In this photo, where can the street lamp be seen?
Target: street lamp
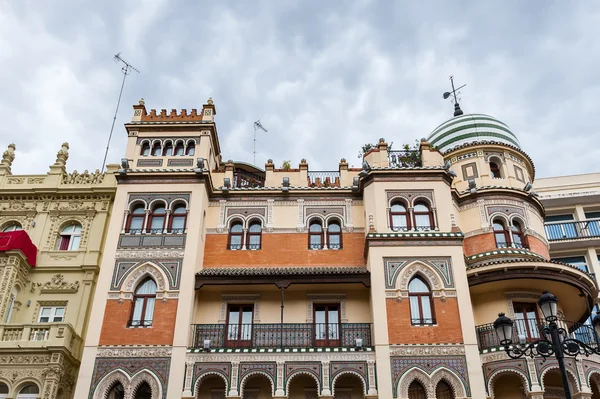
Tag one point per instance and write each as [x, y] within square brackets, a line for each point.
[555, 340]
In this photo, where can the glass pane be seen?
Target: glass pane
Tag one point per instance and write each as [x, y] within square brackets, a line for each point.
[157, 222]
[179, 150]
[178, 222]
[59, 312]
[255, 228]
[191, 150]
[137, 310]
[136, 223]
[320, 326]
[236, 241]
[30, 389]
[558, 218]
[426, 308]
[315, 228]
[315, 241]
[334, 241]
[3, 388]
[498, 226]
[138, 211]
[517, 240]
[399, 221]
[246, 325]
[46, 311]
[414, 309]
[421, 208]
[236, 228]
[75, 240]
[417, 285]
[398, 208]
[147, 288]
[334, 228]
[423, 220]
[149, 310]
[254, 240]
[500, 240]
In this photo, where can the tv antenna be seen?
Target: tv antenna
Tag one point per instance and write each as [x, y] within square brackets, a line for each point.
[257, 125]
[126, 69]
[457, 110]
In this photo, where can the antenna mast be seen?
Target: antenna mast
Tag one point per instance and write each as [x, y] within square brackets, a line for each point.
[257, 125]
[457, 110]
[126, 69]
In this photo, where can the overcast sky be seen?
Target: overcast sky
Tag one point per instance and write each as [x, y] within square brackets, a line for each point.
[324, 77]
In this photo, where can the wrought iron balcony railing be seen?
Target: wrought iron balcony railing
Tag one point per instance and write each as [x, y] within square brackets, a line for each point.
[139, 323]
[243, 179]
[531, 330]
[286, 335]
[573, 230]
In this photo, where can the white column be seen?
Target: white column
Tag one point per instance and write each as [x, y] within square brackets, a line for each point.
[325, 388]
[371, 373]
[145, 227]
[125, 221]
[279, 389]
[166, 226]
[235, 367]
[187, 388]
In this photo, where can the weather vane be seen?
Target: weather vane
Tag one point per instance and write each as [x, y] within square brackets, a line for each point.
[457, 110]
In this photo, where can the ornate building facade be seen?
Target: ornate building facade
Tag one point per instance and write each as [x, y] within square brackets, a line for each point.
[226, 280]
[52, 230]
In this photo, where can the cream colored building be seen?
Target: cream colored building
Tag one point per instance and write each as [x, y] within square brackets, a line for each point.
[52, 229]
[221, 279]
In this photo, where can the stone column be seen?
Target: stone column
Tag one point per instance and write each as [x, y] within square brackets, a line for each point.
[325, 389]
[535, 384]
[145, 226]
[125, 221]
[371, 374]
[280, 389]
[235, 368]
[189, 373]
[166, 226]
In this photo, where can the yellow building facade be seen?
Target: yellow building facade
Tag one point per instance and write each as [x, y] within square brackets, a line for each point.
[52, 229]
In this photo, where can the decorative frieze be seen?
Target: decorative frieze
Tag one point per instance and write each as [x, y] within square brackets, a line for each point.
[134, 352]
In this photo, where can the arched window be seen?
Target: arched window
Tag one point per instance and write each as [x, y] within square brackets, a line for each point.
[3, 390]
[60, 394]
[518, 238]
[116, 392]
[145, 151]
[421, 309]
[334, 235]
[236, 235]
[495, 169]
[179, 150]
[168, 149]
[399, 219]
[14, 226]
[501, 234]
[423, 216]
[143, 304]
[156, 150]
[178, 219]
[190, 149]
[315, 235]
[70, 237]
[254, 235]
[416, 391]
[143, 391]
[11, 304]
[30, 391]
[157, 219]
[443, 391]
[135, 222]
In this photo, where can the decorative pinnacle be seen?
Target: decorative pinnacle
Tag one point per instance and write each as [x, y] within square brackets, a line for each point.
[62, 155]
[141, 102]
[209, 101]
[9, 155]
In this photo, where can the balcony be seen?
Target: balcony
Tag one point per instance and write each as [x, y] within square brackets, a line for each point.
[560, 231]
[40, 336]
[531, 330]
[286, 335]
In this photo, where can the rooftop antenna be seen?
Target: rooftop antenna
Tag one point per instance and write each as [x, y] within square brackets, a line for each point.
[257, 125]
[126, 69]
[457, 110]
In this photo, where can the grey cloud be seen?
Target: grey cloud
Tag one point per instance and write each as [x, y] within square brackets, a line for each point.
[323, 78]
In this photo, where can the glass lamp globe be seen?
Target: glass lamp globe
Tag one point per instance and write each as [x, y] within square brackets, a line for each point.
[549, 305]
[504, 329]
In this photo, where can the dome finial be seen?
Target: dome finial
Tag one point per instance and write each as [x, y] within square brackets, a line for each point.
[457, 110]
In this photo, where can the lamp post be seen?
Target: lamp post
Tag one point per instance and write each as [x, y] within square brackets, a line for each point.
[555, 340]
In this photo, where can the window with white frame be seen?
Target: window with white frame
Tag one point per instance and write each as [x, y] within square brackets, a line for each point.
[51, 314]
[11, 304]
[70, 237]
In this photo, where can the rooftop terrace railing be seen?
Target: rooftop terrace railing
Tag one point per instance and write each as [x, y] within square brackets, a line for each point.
[573, 230]
[404, 158]
[323, 179]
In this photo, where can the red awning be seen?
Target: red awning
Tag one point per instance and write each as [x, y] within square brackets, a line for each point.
[19, 240]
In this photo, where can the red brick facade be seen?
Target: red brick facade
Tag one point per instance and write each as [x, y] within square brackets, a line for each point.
[115, 331]
[401, 331]
[486, 242]
[284, 250]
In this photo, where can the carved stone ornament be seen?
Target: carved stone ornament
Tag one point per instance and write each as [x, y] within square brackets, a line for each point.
[57, 284]
[134, 352]
[427, 350]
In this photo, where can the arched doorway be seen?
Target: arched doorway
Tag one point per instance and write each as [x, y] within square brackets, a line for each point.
[303, 386]
[443, 391]
[348, 386]
[116, 391]
[553, 385]
[256, 386]
[211, 387]
[416, 391]
[508, 386]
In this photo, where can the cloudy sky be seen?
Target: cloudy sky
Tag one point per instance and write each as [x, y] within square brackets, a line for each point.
[324, 77]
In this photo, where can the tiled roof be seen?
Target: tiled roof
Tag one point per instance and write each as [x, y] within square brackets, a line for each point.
[281, 271]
